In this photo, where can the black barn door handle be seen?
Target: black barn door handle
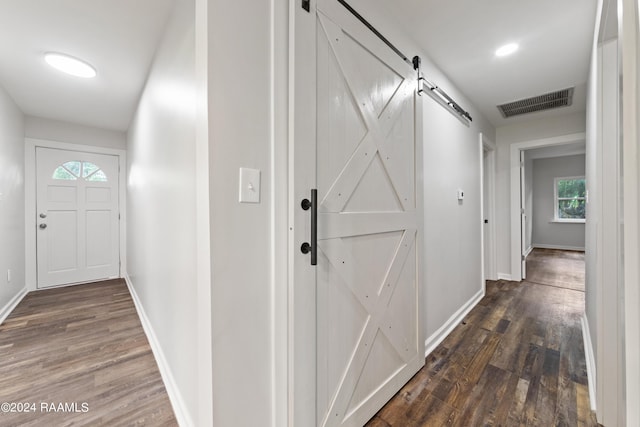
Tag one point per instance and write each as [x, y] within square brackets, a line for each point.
[313, 246]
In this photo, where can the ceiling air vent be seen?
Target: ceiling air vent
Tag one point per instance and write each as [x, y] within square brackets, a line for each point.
[548, 101]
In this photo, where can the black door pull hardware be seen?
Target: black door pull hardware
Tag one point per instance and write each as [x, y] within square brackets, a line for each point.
[312, 247]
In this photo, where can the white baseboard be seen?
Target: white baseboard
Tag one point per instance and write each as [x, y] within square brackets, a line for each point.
[504, 276]
[528, 251]
[590, 360]
[11, 305]
[562, 247]
[177, 402]
[438, 336]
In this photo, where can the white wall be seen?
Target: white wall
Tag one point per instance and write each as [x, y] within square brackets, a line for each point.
[510, 134]
[608, 255]
[629, 58]
[161, 206]
[12, 255]
[546, 232]
[56, 130]
[604, 297]
[243, 258]
[452, 258]
[612, 217]
[593, 202]
[541, 128]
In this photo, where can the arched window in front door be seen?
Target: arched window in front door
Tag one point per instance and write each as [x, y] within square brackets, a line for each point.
[73, 170]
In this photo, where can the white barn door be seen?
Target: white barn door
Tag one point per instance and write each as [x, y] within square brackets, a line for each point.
[360, 152]
[77, 234]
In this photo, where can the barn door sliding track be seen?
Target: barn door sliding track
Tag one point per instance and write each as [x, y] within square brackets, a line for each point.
[424, 85]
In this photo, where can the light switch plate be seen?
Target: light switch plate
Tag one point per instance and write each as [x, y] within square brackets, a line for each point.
[249, 191]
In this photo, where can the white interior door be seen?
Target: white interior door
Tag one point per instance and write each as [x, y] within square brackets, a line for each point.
[359, 151]
[77, 217]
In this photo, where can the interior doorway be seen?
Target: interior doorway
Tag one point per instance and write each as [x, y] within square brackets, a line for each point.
[519, 206]
[552, 199]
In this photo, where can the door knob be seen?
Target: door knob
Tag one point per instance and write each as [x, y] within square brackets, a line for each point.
[43, 215]
[43, 226]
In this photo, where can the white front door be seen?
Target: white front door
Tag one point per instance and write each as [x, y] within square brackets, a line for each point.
[76, 217]
[357, 336]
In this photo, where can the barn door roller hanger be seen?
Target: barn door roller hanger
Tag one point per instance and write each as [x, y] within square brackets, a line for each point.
[425, 86]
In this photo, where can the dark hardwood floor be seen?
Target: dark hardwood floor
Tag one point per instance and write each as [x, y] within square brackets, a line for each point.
[554, 267]
[82, 346]
[517, 359]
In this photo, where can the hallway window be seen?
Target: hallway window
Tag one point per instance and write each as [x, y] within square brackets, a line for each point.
[570, 199]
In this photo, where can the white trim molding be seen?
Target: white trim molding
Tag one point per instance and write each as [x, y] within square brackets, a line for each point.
[175, 397]
[504, 276]
[590, 360]
[12, 304]
[561, 247]
[567, 221]
[528, 251]
[438, 336]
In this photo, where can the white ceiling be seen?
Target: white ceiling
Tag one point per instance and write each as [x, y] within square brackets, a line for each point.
[461, 36]
[118, 37]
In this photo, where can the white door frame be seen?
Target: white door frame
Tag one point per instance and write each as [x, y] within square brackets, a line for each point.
[516, 235]
[30, 200]
[629, 58]
[491, 255]
[523, 218]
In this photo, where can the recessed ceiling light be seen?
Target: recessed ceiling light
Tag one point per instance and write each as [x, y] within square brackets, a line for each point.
[70, 65]
[507, 49]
